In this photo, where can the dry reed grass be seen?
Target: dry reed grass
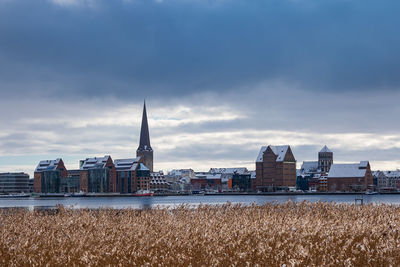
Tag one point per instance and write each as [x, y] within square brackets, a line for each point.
[320, 234]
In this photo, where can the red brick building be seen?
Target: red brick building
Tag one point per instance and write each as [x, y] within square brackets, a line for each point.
[48, 175]
[350, 177]
[98, 175]
[127, 179]
[275, 168]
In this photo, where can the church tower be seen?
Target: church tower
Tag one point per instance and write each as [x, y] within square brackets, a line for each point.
[144, 150]
[325, 159]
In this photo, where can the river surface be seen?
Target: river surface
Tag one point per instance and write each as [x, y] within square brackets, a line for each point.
[172, 201]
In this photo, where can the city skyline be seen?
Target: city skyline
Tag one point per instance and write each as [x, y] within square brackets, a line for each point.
[305, 74]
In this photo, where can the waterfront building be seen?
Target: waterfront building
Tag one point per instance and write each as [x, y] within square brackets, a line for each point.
[143, 177]
[127, 179]
[275, 168]
[241, 181]
[177, 174]
[310, 167]
[48, 175]
[227, 175]
[206, 181]
[325, 159]
[253, 180]
[71, 184]
[30, 185]
[17, 182]
[323, 184]
[158, 183]
[144, 150]
[97, 175]
[302, 182]
[350, 177]
[387, 181]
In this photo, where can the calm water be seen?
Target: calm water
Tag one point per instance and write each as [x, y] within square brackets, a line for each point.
[171, 201]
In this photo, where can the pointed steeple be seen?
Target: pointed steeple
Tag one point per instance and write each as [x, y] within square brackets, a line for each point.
[144, 143]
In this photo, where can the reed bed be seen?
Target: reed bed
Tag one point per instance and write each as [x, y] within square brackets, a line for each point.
[291, 234]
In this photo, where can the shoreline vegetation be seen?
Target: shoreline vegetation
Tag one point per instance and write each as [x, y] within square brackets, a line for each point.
[291, 234]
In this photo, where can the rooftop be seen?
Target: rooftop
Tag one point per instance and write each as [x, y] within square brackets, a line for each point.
[325, 149]
[347, 170]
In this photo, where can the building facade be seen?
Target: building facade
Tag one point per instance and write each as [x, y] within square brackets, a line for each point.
[17, 182]
[127, 178]
[325, 159]
[143, 177]
[158, 183]
[48, 175]
[275, 168]
[97, 175]
[350, 177]
[144, 150]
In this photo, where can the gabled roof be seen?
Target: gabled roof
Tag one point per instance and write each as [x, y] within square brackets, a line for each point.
[279, 151]
[126, 164]
[47, 165]
[94, 163]
[309, 166]
[347, 170]
[261, 153]
[325, 149]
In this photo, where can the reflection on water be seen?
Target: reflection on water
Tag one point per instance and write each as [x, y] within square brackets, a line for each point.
[173, 201]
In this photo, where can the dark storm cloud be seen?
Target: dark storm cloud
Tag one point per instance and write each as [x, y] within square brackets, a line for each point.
[120, 48]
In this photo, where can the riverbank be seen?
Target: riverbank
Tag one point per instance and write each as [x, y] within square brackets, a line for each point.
[321, 234]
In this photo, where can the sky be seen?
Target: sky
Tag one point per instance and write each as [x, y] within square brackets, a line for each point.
[221, 78]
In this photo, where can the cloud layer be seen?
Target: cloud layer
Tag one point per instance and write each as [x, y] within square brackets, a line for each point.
[221, 79]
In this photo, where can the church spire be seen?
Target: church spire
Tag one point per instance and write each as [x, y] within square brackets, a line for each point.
[144, 143]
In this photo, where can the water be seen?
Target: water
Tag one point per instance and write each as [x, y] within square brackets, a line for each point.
[171, 201]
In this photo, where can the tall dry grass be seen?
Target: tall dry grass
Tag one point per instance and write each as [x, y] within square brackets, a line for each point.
[309, 234]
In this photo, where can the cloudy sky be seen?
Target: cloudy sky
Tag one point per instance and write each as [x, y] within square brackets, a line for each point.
[221, 78]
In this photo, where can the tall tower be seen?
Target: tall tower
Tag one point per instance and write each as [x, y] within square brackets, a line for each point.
[144, 150]
[325, 159]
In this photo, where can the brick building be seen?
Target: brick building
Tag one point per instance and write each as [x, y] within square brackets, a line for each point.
[325, 159]
[275, 168]
[127, 179]
[143, 177]
[97, 175]
[48, 175]
[350, 177]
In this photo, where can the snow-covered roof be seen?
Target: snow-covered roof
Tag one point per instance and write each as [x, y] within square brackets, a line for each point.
[347, 170]
[206, 175]
[261, 153]
[309, 166]
[47, 165]
[279, 151]
[94, 163]
[126, 164]
[253, 174]
[240, 170]
[325, 149]
[392, 174]
[213, 176]
[364, 164]
[142, 167]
